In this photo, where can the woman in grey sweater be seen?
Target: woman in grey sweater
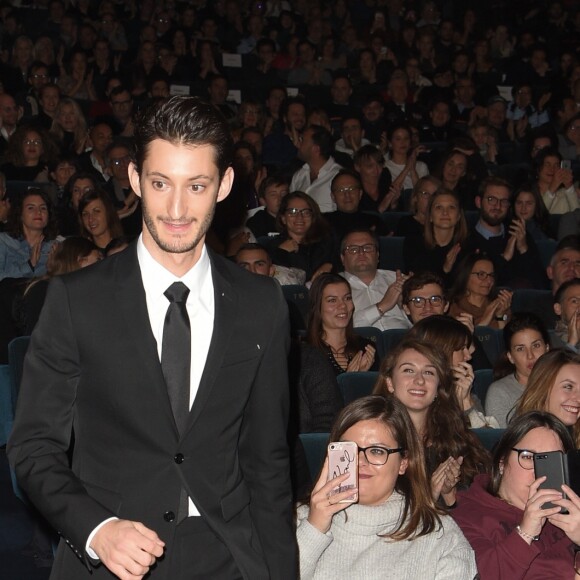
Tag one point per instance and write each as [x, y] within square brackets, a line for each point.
[526, 340]
[394, 530]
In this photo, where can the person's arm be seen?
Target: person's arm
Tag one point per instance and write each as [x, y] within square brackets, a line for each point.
[38, 446]
[263, 448]
[311, 544]
[456, 559]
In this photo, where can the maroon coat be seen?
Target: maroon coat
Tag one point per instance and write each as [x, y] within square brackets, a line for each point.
[489, 525]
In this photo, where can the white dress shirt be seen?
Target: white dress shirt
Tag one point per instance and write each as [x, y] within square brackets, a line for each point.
[200, 309]
[319, 189]
[365, 299]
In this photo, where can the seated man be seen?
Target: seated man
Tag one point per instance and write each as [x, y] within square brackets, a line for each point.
[255, 259]
[423, 295]
[351, 136]
[375, 293]
[346, 192]
[270, 194]
[567, 307]
[515, 255]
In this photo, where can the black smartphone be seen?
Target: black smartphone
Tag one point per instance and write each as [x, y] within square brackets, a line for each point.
[553, 465]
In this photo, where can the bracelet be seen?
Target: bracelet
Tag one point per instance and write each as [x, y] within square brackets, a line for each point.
[525, 535]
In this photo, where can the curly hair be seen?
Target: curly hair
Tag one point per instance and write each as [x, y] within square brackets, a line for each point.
[15, 150]
[15, 227]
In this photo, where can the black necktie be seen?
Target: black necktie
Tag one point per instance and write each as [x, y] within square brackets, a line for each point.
[176, 352]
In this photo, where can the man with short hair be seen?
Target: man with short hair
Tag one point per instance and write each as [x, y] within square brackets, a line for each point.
[375, 293]
[340, 106]
[270, 194]
[513, 251]
[180, 449]
[256, 259]
[567, 308]
[346, 192]
[101, 136]
[121, 103]
[351, 136]
[315, 176]
[10, 113]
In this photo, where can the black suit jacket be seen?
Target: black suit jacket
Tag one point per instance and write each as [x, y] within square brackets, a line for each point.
[93, 365]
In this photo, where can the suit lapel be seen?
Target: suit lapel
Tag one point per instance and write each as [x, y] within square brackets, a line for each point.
[225, 312]
[130, 295]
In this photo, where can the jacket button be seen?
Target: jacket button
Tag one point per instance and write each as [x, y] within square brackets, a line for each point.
[179, 459]
[168, 516]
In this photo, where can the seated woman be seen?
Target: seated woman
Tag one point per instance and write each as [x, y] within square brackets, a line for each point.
[419, 375]
[474, 293]
[305, 241]
[394, 530]
[69, 127]
[401, 159]
[375, 180]
[79, 184]
[526, 340]
[330, 326]
[529, 206]
[418, 204]
[28, 154]
[455, 341]
[554, 387]
[30, 232]
[67, 256]
[99, 220]
[437, 248]
[555, 184]
[503, 515]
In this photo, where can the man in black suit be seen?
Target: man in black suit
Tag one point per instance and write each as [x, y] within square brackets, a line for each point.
[174, 492]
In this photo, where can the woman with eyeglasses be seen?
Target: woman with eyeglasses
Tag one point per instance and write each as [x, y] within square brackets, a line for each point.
[514, 534]
[554, 387]
[526, 339]
[28, 154]
[330, 326]
[420, 376]
[305, 241]
[414, 224]
[438, 247]
[474, 293]
[393, 529]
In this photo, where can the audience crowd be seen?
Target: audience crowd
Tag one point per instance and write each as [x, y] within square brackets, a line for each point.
[408, 170]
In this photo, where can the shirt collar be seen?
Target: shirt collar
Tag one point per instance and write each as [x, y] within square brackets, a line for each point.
[481, 229]
[156, 278]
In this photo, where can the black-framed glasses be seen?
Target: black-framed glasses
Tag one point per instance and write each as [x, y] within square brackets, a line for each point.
[420, 301]
[491, 199]
[365, 249]
[294, 211]
[347, 189]
[483, 275]
[378, 455]
[525, 458]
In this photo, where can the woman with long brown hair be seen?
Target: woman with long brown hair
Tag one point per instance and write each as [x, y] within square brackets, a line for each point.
[395, 529]
[330, 326]
[419, 375]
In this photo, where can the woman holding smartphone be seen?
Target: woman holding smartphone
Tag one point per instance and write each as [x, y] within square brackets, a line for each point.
[395, 530]
[504, 517]
[420, 376]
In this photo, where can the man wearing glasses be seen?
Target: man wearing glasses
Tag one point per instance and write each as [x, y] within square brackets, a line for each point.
[375, 293]
[515, 255]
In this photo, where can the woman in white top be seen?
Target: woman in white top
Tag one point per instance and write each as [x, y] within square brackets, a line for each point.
[555, 184]
[400, 160]
[394, 530]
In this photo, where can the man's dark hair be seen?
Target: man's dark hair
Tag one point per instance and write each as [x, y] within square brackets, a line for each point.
[560, 292]
[418, 281]
[252, 246]
[274, 179]
[491, 182]
[358, 231]
[184, 121]
[119, 91]
[288, 102]
[323, 139]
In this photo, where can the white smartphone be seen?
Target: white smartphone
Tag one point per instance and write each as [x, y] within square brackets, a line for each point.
[343, 458]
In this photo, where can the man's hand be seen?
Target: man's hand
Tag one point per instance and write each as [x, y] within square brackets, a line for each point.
[128, 549]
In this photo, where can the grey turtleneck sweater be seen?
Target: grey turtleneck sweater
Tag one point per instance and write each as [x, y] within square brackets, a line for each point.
[352, 549]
